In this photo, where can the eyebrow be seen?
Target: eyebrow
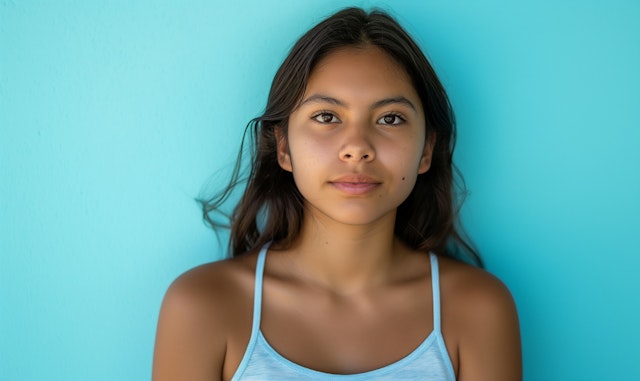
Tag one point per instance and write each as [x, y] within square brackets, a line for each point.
[320, 98]
[387, 101]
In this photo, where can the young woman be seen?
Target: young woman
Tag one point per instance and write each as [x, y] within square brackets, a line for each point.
[344, 239]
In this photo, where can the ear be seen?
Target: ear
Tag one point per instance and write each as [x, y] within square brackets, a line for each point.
[284, 157]
[427, 153]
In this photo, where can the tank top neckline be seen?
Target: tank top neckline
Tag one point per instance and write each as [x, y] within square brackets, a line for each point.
[435, 336]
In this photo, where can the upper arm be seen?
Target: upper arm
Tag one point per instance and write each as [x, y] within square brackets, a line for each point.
[489, 344]
[189, 343]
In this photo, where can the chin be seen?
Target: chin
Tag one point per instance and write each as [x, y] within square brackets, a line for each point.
[357, 217]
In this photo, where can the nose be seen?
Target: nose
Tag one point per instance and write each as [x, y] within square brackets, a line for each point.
[357, 147]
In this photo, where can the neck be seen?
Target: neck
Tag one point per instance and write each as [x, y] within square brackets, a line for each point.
[346, 258]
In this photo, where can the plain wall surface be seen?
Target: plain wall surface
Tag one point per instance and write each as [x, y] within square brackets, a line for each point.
[114, 114]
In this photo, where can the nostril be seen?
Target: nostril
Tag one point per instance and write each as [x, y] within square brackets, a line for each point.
[358, 156]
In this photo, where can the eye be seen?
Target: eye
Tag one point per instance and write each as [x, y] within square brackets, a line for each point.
[391, 119]
[325, 117]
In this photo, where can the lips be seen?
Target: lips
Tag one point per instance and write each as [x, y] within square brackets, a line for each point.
[355, 184]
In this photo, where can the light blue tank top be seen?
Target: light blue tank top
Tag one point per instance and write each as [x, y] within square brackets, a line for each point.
[429, 361]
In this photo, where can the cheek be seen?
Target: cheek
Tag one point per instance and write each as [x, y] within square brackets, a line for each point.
[406, 157]
[406, 166]
[310, 159]
[307, 152]
[407, 180]
[308, 170]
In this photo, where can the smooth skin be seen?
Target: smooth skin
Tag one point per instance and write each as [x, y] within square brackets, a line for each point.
[347, 296]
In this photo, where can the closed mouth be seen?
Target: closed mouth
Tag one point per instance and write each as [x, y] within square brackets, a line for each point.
[356, 179]
[355, 184]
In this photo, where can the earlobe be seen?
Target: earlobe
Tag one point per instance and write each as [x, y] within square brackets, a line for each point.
[427, 154]
[284, 158]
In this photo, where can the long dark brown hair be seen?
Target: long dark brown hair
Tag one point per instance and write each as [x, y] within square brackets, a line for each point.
[271, 207]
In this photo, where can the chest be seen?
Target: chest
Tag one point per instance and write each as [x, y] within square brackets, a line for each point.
[337, 334]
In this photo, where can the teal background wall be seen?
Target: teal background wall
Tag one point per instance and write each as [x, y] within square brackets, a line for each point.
[113, 115]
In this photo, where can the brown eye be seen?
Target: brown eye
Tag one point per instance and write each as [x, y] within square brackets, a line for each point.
[325, 117]
[391, 119]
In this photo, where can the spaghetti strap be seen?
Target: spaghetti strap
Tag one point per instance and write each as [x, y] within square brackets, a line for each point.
[435, 288]
[257, 309]
[257, 292]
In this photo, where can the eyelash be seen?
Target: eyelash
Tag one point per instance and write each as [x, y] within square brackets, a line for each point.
[399, 119]
[319, 114]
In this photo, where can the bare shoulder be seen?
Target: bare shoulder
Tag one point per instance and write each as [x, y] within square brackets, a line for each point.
[212, 285]
[199, 313]
[480, 319]
[474, 287]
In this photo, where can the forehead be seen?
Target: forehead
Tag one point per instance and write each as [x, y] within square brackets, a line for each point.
[367, 68]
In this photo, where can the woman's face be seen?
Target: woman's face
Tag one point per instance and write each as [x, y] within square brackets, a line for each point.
[356, 143]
